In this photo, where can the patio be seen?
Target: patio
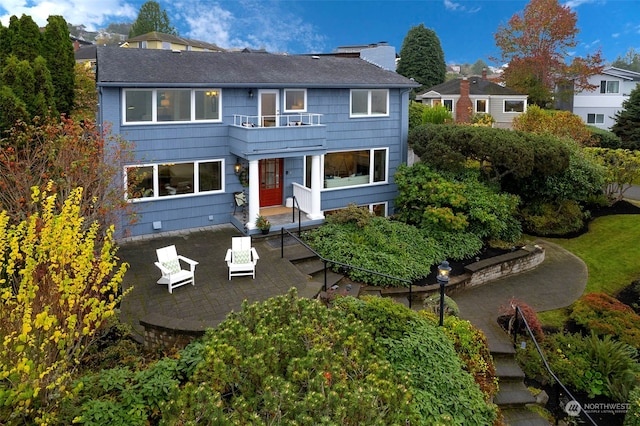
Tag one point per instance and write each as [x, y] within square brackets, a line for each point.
[213, 297]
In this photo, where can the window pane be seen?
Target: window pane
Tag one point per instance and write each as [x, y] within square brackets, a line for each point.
[448, 104]
[359, 102]
[139, 182]
[210, 176]
[378, 102]
[591, 118]
[379, 165]
[175, 178]
[513, 106]
[174, 105]
[207, 104]
[379, 210]
[612, 86]
[481, 105]
[294, 100]
[346, 169]
[138, 104]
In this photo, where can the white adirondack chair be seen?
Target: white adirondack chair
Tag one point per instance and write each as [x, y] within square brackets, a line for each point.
[169, 263]
[241, 258]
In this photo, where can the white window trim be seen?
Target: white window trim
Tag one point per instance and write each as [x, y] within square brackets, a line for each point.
[371, 167]
[154, 107]
[304, 109]
[368, 114]
[504, 106]
[475, 105]
[156, 183]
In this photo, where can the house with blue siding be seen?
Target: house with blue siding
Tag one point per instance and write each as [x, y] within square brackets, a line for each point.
[305, 131]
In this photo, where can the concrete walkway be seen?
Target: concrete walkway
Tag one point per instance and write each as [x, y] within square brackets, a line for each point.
[556, 283]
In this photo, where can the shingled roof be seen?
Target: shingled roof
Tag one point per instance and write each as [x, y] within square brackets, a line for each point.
[477, 86]
[140, 67]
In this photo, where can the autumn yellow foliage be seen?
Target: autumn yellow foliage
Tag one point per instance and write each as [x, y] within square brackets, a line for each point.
[58, 286]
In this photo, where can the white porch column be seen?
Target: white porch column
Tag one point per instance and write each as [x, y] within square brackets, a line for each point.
[254, 194]
[316, 185]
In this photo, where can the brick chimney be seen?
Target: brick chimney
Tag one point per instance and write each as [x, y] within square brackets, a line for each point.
[484, 73]
[464, 105]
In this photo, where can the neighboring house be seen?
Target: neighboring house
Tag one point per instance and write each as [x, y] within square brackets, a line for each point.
[327, 130]
[467, 96]
[599, 107]
[156, 40]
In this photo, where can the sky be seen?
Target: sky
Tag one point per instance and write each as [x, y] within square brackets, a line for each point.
[465, 28]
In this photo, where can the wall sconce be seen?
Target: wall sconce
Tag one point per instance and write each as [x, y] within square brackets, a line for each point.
[164, 103]
[251, 93]
[237, 167]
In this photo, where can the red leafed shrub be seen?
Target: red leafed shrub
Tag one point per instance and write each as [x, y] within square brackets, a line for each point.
[604, 315]
[507, 317]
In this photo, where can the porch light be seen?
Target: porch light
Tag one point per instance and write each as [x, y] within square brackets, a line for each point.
[237, 167]
[251, 93]
[443, 278]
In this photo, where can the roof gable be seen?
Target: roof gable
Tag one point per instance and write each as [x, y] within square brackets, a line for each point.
[621, 73]
[128, 67]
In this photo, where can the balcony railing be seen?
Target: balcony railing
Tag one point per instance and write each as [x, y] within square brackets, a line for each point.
[300, 119]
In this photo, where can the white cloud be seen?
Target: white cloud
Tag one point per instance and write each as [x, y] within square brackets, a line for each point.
[93, 14]
[246, 23]
[459, 7]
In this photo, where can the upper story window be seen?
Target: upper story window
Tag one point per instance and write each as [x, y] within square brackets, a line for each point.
[151, 181]
[369, 103]
[295, 100]
[166, 45]
[481, 105]
[171, 105]
[609, 86]
[513, 106]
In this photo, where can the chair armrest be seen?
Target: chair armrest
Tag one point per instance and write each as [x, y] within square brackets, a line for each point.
[227, 258]
[164, 270]
[192, 263]
[254, 255]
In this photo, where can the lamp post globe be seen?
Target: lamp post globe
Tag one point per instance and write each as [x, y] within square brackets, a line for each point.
[443, 278]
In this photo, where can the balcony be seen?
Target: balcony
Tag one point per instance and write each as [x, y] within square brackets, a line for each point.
[295, 134]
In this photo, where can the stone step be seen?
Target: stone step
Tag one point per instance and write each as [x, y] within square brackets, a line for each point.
[513, 394]
[523, 417]
[507, 368]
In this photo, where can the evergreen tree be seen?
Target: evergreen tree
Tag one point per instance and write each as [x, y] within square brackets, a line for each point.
[26, 40]
[151, 18]
[12, 109]
[44, 102]
[627, 125]
[58, 51]
[5, 44]
[422, 58]
[631, 61]
[18, 75]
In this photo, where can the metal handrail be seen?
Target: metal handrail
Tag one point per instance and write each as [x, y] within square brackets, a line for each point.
[293, 215]
[544, 360]
[335, 262]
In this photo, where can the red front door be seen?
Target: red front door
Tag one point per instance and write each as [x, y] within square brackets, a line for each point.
[271, 182]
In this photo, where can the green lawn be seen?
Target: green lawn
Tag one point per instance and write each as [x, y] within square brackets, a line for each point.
[611, 250]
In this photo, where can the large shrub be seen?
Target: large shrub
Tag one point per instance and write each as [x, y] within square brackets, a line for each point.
[58, 287]
[593, 365]
[422, 351]
[293, 361]
[377, 244]
[605, 315]
[440, 202]
[561, 124]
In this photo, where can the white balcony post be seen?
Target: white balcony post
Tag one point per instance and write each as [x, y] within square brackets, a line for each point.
[254, 194]
[316, 184]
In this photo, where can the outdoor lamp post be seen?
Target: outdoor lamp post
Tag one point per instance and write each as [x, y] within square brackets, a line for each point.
[443, 279]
